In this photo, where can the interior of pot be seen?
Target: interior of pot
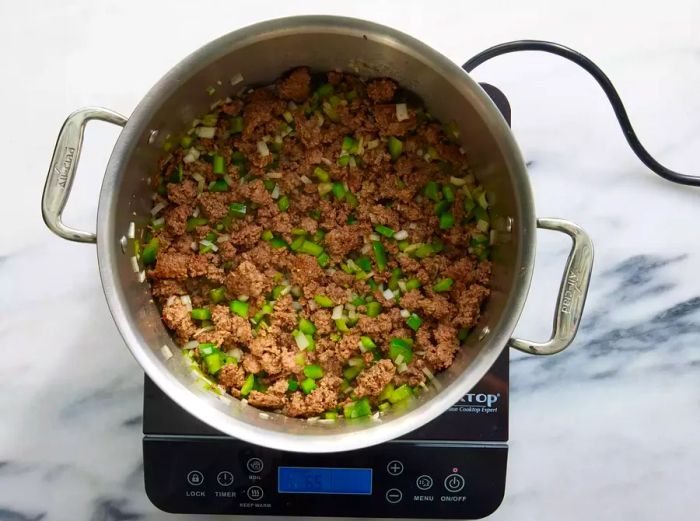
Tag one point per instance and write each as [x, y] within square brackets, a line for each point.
[260, 54]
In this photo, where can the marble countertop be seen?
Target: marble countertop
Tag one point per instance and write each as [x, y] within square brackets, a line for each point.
[607, 430]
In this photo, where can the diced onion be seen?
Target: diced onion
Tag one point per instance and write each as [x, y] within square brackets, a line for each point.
[311, 304]
[427, 372]
[200, 183]
[401, 112]
[388, 294]
[372, 144]
[159, 222]
[296, 306]
[236, 79]
[131, 233]
[157, 208]
[352, 314]
[228, 180]
[166, 352]
[337, 312]
[264, 416]
[305, 180]
[399, 360]
[457, 181]
[142, 276]
[205, 132]
[191, 156]
[196, 212]
[326, 161]
[423, 386]
[187, 301]
[352, 162]
[275, 192]
[313, 419]
[301, 340]
[420, 353]
[405, 313]
[123, 243]
[209, 244]
[401, 235]
[262, 149]
[193, 246]
[365, 249]
[236, 353]
[243, 298]
[222, 238]
[402, 368]
[361, 346]
[191, 344]
[374, 236]
[355, 361]
[171, 300]
[402, 286]
[135, 264]
[203, 330]
[274, 175]
[321, 119]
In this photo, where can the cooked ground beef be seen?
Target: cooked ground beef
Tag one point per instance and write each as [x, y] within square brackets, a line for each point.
[320, 248]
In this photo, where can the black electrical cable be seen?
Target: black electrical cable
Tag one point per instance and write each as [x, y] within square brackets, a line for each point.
[607, 86]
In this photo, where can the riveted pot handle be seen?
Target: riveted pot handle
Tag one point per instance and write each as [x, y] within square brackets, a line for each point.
[572, 293]
[64, 164]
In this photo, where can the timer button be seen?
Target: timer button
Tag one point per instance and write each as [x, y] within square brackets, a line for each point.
[224, 478]
[454, 483]
[394, 467]
[394, 495]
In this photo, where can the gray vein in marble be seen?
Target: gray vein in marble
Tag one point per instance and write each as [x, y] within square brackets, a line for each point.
[602, 350]
[7, 514]
[113, 509]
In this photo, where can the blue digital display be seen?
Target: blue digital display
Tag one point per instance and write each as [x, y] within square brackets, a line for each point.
[323, 480]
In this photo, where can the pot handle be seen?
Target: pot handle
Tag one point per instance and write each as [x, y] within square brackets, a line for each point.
[64, 164]
[572, 292]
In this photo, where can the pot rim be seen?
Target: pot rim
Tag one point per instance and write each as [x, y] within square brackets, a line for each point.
[108, 247]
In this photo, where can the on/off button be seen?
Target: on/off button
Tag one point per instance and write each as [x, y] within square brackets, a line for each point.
[454, 483]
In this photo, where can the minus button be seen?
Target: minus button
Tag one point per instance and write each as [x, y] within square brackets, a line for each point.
[394, 495]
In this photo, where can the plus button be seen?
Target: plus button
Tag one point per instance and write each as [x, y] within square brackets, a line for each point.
[394, 468]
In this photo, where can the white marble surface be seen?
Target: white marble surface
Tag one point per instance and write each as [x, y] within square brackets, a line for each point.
[608, 430]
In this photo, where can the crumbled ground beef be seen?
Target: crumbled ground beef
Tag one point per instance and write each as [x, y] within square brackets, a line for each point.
[314, 201]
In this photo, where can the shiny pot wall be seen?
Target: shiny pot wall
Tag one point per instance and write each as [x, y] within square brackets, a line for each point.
[261, 53]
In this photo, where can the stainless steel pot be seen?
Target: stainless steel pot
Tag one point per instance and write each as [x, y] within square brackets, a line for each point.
[260, 53]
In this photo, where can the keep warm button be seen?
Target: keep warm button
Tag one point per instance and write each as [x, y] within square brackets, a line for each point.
[454, 483]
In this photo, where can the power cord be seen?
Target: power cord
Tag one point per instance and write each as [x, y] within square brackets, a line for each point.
[607, 86]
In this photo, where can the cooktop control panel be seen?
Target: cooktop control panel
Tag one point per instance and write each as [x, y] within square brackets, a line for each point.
[399, 479]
